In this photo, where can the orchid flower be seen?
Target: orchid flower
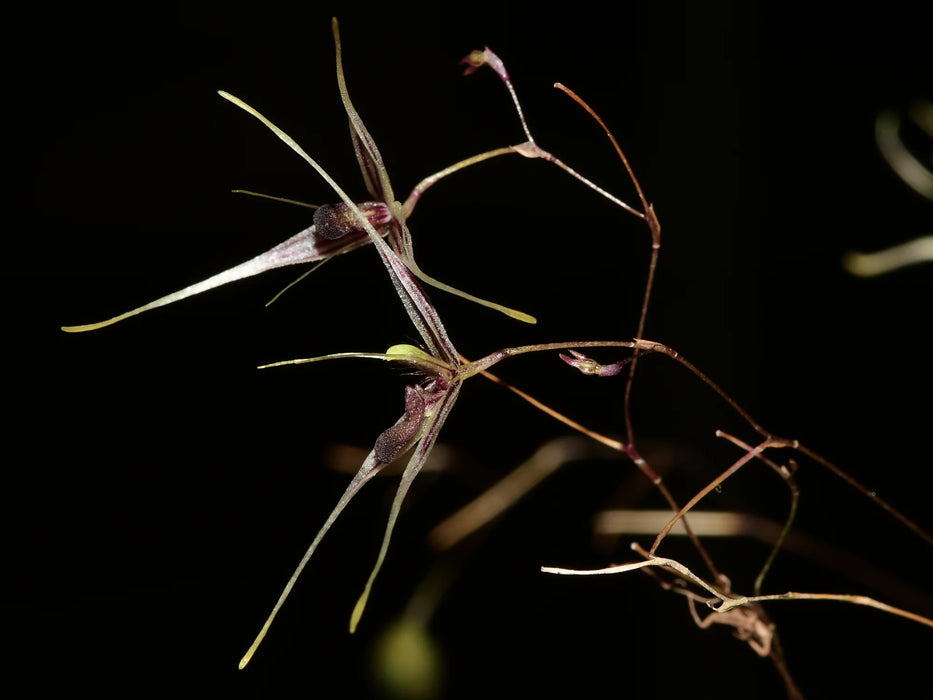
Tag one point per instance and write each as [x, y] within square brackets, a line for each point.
[334, 229]
[427, 404]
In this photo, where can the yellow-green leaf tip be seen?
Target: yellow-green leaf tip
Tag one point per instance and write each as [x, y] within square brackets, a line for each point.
[409, 353]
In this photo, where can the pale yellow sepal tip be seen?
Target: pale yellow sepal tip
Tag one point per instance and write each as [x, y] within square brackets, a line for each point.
[521, 316]
[358, 609]
[94, 326]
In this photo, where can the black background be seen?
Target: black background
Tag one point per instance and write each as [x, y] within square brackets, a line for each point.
[159, 489]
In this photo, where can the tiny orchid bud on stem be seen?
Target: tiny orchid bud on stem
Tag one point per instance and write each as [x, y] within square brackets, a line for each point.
[588, 366]
[486, 57]
[476, 59]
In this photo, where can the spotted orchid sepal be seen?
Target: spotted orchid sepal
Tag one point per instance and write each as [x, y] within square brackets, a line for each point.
[426, 409]
[439, 398]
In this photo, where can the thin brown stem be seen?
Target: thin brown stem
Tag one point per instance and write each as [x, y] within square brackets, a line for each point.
[566, 420]
[628, 450]
[838, 597]
[652, 346]
[422, 186]
[484, 363]
[880, 502]
[788, 476]
[705, 490]
[655, 226]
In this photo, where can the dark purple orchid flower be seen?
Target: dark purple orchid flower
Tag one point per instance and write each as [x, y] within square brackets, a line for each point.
[428, 403]
[334, 230]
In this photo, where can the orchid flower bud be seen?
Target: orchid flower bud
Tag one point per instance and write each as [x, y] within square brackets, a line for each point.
[588, 366]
